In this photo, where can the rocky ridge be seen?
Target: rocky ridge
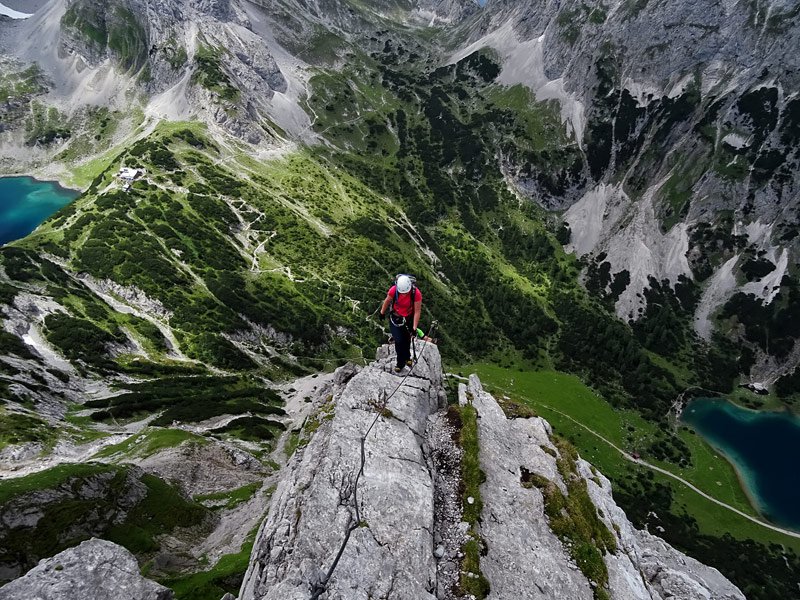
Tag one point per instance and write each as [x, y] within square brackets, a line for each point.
[525, 559]
[395, 547]
[390, 552]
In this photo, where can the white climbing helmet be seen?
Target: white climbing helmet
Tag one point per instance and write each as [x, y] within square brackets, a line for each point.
[404, 284]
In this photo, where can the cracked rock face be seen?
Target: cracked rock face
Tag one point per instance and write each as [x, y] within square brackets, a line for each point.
[95, 569]
[390, 554]
[672, 574]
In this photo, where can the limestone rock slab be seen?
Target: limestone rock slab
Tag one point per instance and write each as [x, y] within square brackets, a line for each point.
[391, 553]
[525, 560]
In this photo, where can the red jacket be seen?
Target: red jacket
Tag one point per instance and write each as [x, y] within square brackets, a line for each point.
[402, 305]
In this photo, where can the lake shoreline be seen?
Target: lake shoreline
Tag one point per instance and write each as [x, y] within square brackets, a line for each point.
[783, 409]
[58, 182]
[27, 202]
[752, 497]
[750, 441]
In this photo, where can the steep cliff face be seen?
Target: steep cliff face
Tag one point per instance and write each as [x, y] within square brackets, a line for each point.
[548, 526]
[178, 60]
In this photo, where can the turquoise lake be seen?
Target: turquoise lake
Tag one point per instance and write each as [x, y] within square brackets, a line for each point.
[26, 202]
[765, 449]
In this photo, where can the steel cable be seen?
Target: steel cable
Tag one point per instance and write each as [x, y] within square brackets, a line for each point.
[321, 586]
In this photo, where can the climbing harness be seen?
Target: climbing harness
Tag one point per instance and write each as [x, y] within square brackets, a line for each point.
[321, 586]
[397, 320]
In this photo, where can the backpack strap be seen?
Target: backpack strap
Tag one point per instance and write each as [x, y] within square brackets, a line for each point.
[413, 302]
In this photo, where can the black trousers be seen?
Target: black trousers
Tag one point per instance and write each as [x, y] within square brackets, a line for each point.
[402, 341]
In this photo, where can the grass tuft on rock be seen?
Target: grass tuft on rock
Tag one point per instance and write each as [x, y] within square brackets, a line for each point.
[229, 499]
[573, 518]
[17, 428]
[149, 442]
[472, 581]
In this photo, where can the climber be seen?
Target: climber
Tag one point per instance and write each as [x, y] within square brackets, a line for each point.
[403, 316]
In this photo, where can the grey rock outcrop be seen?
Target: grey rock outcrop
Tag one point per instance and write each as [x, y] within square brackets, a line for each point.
[645, 566]
[445, 11]
[95, 569]
[26, 510]
[204, 468]
[672, 574]
[524, 559]
[391, 552]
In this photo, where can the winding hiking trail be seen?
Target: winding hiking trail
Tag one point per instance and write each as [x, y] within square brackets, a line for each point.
[691, 486]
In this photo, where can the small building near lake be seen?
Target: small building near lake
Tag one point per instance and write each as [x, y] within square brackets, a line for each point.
[129, 174]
